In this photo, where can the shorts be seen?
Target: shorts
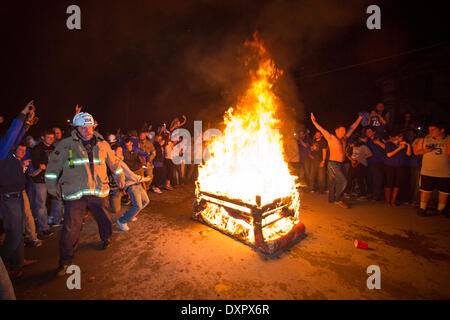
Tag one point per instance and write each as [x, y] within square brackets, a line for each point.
[428, 184]
[394, 176]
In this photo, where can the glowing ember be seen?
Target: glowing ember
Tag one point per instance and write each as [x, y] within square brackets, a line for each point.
[247, 162]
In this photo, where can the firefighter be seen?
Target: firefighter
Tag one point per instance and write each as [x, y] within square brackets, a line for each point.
[77, 173]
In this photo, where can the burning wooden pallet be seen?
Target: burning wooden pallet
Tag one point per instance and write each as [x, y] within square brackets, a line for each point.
[269, 228]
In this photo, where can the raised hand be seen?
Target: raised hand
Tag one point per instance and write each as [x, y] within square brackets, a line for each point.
[78, 109]
[313, 118]
[29, 107]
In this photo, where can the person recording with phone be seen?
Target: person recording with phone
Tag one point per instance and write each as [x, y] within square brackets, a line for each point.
[12, 183]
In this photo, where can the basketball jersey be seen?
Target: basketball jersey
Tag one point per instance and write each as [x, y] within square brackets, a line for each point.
[436, 163]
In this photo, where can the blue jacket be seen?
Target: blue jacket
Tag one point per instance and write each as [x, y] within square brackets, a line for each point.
[136, 149]
[11, 138]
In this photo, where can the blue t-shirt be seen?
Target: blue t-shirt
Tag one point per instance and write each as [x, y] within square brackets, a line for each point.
[377, 125]
[397, 160]
[377, 153]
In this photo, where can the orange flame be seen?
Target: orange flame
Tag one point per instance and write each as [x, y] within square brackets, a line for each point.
[248, 159]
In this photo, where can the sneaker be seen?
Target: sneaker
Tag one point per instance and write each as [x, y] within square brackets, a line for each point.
[422, 212]
[57, 224]
[61, 270]
[42, 235]
[15, 274]
[106, 244]
[156, 190]
[122, 226]
[33, 243]
[342, 204]
[169, 188]
[29, 262]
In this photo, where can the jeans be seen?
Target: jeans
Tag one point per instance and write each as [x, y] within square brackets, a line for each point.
[178, 173]
[140, 200]
[74, 213]
[30, 192]
[28, 220]
[191, 172]
[317, 175]
[6, 288]
[115, 200]
[336, 181]
[40, 206]
[148, 173]
[57, 210]
[303, 170]
[360, 174]
[12, 251]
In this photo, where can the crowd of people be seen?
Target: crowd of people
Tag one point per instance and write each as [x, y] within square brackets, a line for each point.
[51, 182]
[403, 165]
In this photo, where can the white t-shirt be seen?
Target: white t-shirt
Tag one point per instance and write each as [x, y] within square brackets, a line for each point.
[359, 153]
[436, 163]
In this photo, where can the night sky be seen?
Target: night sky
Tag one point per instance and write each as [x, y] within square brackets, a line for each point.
[135, 61]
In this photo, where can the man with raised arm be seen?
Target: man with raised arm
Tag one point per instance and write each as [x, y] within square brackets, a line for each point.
[336, 173]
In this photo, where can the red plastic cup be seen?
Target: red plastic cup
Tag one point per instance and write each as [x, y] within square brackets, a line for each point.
[361, 245]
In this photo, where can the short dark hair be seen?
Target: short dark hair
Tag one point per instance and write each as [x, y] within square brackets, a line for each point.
[22, 144]
[127, 140]
[47, 132]
[438, 124]
[132, 133]
[339, 126]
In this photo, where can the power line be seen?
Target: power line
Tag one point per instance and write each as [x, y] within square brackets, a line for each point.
[373, 60]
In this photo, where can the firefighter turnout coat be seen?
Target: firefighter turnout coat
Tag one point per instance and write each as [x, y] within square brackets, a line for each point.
[69, 173]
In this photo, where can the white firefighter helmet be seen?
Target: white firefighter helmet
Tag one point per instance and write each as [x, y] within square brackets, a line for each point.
[83, 119]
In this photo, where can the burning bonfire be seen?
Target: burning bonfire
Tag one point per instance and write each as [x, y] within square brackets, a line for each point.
[245, 188]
